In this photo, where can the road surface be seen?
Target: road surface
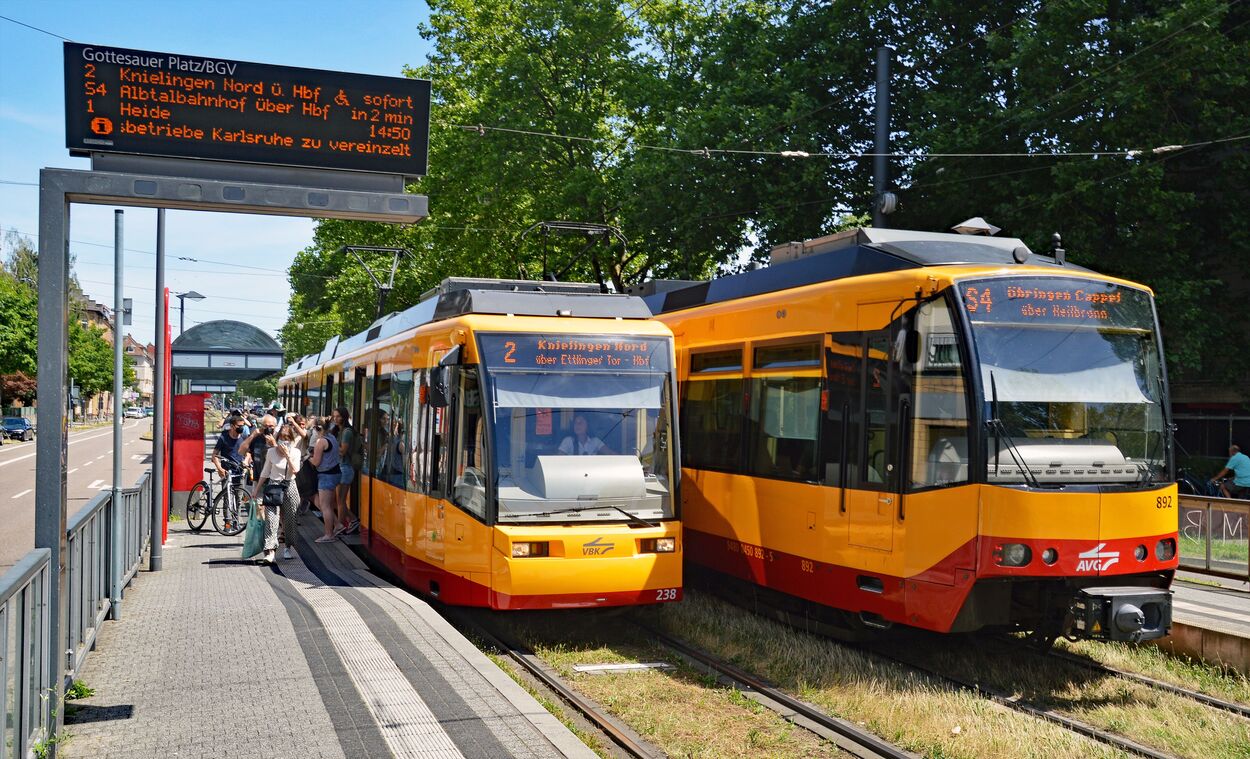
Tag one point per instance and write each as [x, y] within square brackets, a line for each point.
[90, 469]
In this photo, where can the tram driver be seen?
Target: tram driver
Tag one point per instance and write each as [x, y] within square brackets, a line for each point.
[581, 442]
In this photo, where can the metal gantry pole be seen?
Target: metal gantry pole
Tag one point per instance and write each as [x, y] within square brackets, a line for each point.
[161, 402]
[881, 145]
[52, 443]
[115, 569]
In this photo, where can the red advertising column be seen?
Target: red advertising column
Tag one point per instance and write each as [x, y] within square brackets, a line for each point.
[186, 463]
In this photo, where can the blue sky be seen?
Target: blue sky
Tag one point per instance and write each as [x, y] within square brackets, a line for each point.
[378, 37]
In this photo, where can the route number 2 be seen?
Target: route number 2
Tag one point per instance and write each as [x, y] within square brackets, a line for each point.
[666, 594]
[508, 357]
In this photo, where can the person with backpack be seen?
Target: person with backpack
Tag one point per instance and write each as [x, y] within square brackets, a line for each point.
[349, 465]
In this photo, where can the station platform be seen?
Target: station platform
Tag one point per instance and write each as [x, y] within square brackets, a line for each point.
[312, 658]
[1225, 608]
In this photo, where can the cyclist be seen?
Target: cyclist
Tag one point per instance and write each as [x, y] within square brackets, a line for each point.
[1239, 466]
[226, 455]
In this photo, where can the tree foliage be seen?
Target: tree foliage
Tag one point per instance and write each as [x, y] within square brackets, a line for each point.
[794, 75]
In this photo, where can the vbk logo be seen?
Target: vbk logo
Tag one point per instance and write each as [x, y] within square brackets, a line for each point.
[1096, 559]
[597, 547]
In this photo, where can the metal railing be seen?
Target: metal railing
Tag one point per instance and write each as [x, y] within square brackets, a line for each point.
[94, 576]
[24, 652]
[1215, 536]
[95, 573]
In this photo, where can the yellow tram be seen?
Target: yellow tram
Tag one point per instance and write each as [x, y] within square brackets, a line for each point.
[518, 444]
[935, 430]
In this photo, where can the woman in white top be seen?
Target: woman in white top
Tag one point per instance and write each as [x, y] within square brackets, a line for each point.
[581, 442]
[282, 463]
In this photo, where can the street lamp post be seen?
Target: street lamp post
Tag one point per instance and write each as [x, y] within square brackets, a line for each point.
[182, 298]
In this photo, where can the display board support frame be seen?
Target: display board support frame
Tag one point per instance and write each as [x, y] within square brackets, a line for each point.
[58, 188]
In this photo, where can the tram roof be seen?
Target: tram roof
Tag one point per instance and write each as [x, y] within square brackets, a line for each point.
[458, 296]
[853, 253]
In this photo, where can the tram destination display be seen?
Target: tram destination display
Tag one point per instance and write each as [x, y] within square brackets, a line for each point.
[575, 353]
[1056, 300]
[168, 104]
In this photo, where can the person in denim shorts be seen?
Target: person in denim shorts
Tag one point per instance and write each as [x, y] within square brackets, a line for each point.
[325, 458]
[349, 445]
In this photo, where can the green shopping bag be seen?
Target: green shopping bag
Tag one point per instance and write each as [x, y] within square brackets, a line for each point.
[254, 537]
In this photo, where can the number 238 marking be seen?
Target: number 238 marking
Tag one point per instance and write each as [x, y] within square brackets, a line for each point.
[666, 594]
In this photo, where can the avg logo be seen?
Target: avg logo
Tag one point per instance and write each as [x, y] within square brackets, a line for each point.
[1096, 559]
[597, 547]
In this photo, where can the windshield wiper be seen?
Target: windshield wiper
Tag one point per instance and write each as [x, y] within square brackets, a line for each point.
[578, 509]
[1004, 435]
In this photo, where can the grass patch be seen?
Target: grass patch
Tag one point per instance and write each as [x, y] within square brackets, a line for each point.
[78, 689]
[1222, 550]
[682, 711]
[893, 701]
[1177, 670]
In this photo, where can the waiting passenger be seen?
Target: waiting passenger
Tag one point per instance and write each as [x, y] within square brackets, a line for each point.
[325, 457]
[581, 443]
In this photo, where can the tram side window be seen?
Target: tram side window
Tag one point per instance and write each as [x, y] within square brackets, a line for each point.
[711, 424]
[784, 414]
[364, 428]
[329, 396]
[421, 422]
[381, 424]
[939, 449]
[469, 490]
[842, 418]
[397, 439]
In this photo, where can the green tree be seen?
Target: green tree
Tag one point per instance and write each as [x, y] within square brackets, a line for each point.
[90, 359]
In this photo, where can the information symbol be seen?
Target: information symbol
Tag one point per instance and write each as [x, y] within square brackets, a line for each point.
[101, 125]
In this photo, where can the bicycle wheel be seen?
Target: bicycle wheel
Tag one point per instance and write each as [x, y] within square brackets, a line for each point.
[198, 506]
[229, 518]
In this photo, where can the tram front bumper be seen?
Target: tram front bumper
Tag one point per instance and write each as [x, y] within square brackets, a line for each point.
[1120, 613]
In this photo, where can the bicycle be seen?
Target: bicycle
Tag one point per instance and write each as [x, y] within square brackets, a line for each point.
[229, 507]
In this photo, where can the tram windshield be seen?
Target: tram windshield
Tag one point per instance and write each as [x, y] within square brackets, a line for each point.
[588, 439]
[1072, 378]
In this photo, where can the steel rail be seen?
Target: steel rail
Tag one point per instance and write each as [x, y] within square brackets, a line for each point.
[1216, 703]
[855, 740]
[609, 725]
[1015, 703]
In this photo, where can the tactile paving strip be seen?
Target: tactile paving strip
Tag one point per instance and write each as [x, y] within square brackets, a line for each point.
[408, 726]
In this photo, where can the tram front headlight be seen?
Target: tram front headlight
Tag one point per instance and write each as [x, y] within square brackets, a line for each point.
[529, 550]
[1012, 555]
[1165, 550]
[658, 545]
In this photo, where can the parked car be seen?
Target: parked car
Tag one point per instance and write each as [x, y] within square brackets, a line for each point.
[18, 428]
[134, 412]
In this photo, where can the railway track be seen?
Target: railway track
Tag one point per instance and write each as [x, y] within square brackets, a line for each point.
[846, 735]
[617, 731]
[1240, 710]
[1007, 700]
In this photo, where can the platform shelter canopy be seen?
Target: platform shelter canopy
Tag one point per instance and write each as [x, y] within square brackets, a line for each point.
[225, 351]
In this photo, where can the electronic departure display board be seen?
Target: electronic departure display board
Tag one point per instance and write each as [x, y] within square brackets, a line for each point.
[169, 104]
[565, 353]
[1056, 300]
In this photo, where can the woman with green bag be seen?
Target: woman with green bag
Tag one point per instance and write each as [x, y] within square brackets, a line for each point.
[273, 489]
[254, 537]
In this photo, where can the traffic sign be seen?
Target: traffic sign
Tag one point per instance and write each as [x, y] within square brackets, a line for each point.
[168, 104]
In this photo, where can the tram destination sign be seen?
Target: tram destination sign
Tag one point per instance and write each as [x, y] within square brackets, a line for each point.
[1056, 300]
[579, 353]
[168, 104]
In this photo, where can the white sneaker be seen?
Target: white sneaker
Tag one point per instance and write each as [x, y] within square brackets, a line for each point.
[286, 554]
[268, 559]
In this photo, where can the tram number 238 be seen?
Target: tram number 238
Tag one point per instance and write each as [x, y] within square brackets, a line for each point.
[666, 594]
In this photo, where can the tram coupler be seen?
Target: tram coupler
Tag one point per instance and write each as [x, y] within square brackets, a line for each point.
[1120, 613]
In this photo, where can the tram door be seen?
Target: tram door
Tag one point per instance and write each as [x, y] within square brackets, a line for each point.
[354, 403]
[872, 498]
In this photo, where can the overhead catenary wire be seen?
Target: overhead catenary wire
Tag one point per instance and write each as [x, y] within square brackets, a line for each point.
[35, 28]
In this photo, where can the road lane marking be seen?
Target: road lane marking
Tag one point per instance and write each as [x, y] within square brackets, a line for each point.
[138, 456]
[24, 492]
[95, 484]
[71, 442]
[75, 469]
